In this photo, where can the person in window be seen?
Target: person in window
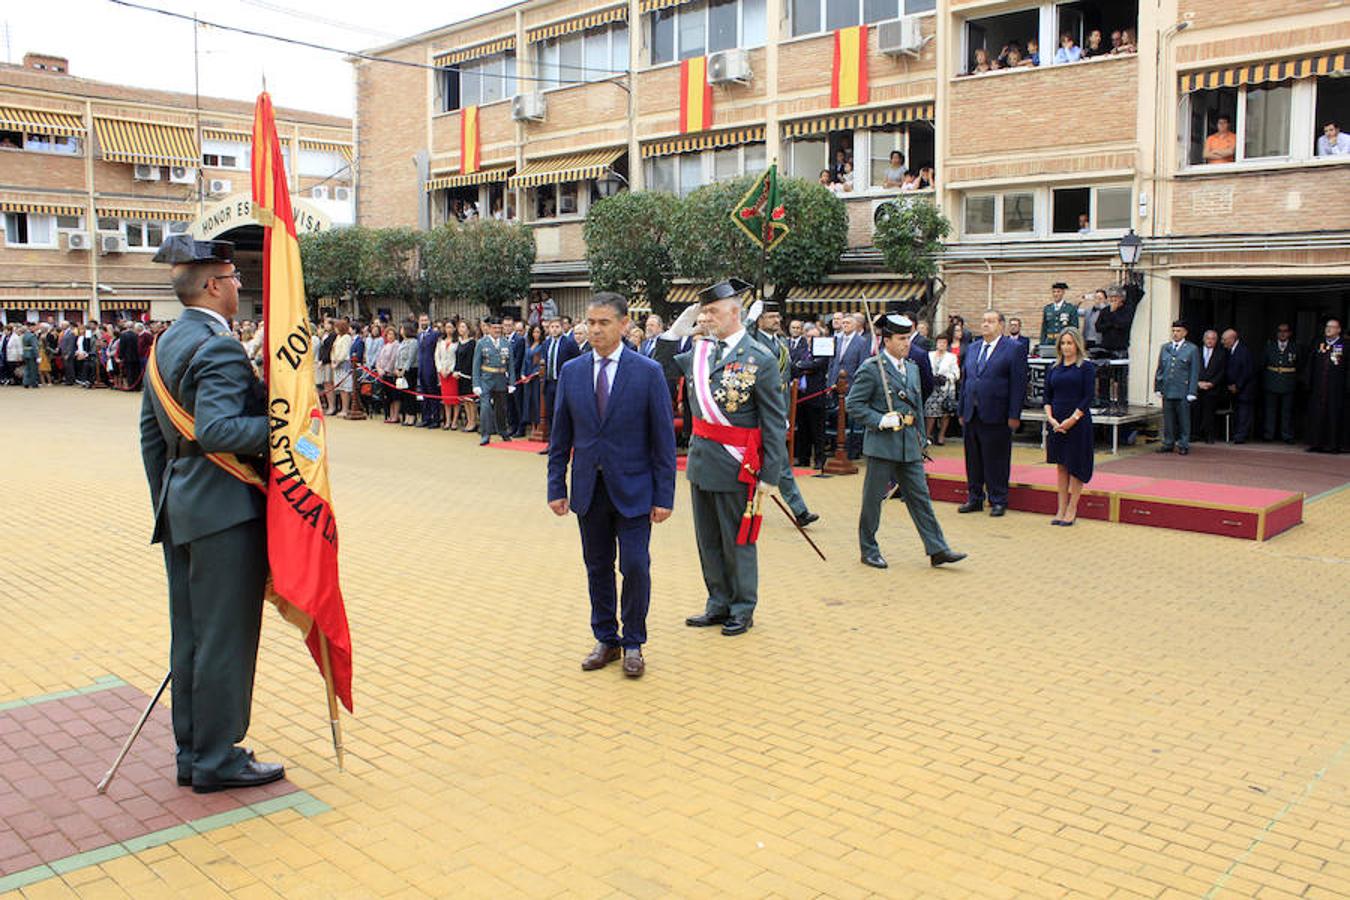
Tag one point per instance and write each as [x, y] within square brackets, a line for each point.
[840, 160]
[7, 143]
[895, 172]
[1221, 146]
[1033, 55]
[1126, 42]
[1069, 51]
[982, 62]
[1333, 141]
[1115, 41]
[845, 183]
[1084, 224]
[1095, 45]
[1012, 58]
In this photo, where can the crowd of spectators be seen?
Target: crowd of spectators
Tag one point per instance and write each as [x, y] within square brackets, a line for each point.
[88, 355]
[841, 178]
[1016, 55]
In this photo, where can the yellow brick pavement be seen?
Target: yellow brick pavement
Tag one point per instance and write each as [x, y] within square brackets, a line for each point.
[1110, 711]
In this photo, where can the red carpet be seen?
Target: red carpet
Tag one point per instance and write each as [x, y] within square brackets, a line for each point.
[1253, 513]
[536, 446]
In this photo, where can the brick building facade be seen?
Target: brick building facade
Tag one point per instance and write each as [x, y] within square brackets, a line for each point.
[93, 175]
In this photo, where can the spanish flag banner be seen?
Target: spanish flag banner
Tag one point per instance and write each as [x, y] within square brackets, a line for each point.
[849, 87]
[468, 140]
[696, 106]
[302, 537]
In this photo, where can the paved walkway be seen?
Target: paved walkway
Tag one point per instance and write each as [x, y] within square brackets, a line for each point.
[1102, 711]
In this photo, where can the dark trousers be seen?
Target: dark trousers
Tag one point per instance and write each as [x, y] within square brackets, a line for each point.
[913, 486]
[603, 531]
[1176, 423]
[432, 410]
[550, 398]
[517, 408]
[68, 369]
[131, 371]
[811, 434]
[492, 414]
[1279, 408]
[730, 570]
[988, 460]
[1242, 411]
[215, 617]
[1206, 404]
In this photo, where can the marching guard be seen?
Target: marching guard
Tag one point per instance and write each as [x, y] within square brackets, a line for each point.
[739, 444]
[204, 436]
[885, 397]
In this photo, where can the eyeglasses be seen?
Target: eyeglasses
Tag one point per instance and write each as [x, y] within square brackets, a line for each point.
[234, 276]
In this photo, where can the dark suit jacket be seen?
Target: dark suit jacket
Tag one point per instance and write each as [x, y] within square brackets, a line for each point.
[803, 363]
[848, 361]
[919, 356]
[208, 372]
[128, 347]
[1241, 371]
[634, 444]
[995, 392]
[1218, 364]
[567, 350]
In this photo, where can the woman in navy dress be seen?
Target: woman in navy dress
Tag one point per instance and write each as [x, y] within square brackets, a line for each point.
[1069, 389]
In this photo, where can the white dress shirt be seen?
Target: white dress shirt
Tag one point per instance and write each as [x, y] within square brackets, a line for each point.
[609, 370]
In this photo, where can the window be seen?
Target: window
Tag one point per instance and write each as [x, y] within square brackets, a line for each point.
[11, 140]
[70, 223]
[707, 26]
[30, 230]
[592, 55]
[812, 16]
[225, 154]
[1084, 210]
[52, 143]
[321, 163]
[1332, 107]
[1009, 213]
[808, 157]
[1266, 129]
[685, 172]
[144, 234]
[107, 224]
[477, 81]
[552, 201]
[990, 39]
[1247, 123]
[1034, 37]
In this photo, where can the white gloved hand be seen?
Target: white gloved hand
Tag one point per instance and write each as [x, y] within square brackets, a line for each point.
[756, 310]
[1190, 397]
[511, 389]
[478, 392]
[683, 326]
[890, 422]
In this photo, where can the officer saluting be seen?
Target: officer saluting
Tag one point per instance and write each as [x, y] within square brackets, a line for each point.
[203, 441]
[739, 443]
[885, 397]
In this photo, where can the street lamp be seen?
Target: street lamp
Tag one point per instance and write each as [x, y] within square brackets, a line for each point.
[1130, 249]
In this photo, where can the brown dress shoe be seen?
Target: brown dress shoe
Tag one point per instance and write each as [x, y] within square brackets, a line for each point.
[601, 656]
[633, 663]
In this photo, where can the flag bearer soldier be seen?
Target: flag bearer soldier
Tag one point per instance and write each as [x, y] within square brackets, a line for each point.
[209, 514]
[764, 324]
[494, 377]
[739, 443]
[887, 399]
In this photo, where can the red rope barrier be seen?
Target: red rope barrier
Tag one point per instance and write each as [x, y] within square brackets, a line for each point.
[424, 396]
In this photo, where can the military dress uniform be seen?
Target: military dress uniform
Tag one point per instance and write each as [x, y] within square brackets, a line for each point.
[894, 455]
[1279, 380]
[213, 530]
[787, 485]
[1055, 317]
[1177, 378]
[1327, 365]
[743, 386]
[494, 374]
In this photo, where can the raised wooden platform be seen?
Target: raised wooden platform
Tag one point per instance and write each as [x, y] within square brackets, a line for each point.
[1243, 512]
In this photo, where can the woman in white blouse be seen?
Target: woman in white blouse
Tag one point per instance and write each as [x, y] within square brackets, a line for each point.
[941, 404]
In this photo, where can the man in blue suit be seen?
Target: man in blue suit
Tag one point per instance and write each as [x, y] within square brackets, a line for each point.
[851, 347]
[1240, 373]
[612, 418]
[994, 380]
[427, 380]
[518, 348]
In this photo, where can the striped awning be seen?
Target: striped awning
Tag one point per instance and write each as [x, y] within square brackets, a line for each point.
[150, 143]
[683, 293]
[850, 293]
[343, 150]
[40, 206]
[482, 176]
[123, 304]
[151, 214]
[40, 121]
[572, 167]
[647, 6]
[706, 141]
[578, 23]
[224, 134]
[867, 118]
[477, 51]
[1258, 73]
[52, 303]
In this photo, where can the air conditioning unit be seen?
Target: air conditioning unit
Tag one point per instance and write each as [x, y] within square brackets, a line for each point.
[77, 240]
[901, 35]
[143, 172]
[342, 194]
[111, 242]
[883, 208]
[318, 192]
[528, 107]
[729, 66]
[182, 175]
[218, 186]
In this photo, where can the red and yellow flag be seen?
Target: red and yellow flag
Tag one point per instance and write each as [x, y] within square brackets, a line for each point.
[468, 140]
[302, 538]
[849, 87]
[696, 103]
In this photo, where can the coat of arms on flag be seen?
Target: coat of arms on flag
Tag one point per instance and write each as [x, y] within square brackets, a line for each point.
[761, 214]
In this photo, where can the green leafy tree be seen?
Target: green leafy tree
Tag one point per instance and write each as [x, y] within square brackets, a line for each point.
[628, 238]
[707, 246]
[396, 266]
[483, 261]
[909, 235]
[337, 265]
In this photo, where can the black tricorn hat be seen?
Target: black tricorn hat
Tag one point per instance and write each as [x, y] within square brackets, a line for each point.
[724, 290]
[1059, 285]
[1180, 324]
[492, 320]
[183, 248]
[893, 323]
[512, 311]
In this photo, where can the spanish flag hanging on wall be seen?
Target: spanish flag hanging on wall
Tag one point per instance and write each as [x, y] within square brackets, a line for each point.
[302, 539]
[849, 87]
[696, 106]
[468, 140]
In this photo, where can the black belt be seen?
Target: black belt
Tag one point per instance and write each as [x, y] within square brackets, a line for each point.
[187, 450]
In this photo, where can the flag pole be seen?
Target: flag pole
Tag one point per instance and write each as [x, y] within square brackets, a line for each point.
[333, 721]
